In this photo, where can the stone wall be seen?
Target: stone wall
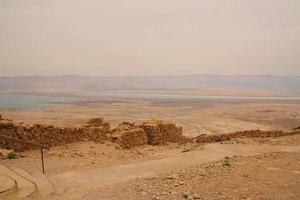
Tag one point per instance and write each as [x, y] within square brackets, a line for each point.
[245, 134]
[128, 135]
[160, 132]
[48, 135]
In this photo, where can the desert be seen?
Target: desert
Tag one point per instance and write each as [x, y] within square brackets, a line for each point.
[149, 149]
[149, 100]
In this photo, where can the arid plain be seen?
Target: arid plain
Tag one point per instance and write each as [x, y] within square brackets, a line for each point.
[238, 168]
[210, 116]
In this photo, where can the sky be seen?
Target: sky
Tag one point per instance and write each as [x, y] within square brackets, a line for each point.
[156, 37]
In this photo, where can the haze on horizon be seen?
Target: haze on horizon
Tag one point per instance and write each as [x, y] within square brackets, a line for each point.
[141, 37]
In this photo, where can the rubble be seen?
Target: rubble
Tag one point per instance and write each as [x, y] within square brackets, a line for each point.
[160, 132]
[97, 122]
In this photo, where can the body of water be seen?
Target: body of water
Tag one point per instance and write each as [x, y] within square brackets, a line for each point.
[40, 101]
[31, 101]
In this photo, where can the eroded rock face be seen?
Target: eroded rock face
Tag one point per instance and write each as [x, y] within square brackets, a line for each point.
[128, 135]
[160, 132]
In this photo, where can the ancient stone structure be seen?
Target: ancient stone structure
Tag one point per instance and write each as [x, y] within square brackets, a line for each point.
[48, 135]
[160, 132]
[97, 130]
[243, 134]
[128, 135]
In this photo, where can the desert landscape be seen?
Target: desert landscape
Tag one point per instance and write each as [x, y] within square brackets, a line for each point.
[149, 100]
[104, 147]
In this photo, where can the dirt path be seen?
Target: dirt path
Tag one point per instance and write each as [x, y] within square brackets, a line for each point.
[74, 183]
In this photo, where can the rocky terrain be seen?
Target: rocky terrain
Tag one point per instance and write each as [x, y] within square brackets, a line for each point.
[267, 176]
[155, 160]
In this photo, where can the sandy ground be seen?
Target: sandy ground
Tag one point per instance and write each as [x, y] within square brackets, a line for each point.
[210, 117]
[94, 170]
[192, 169]
[267, 176]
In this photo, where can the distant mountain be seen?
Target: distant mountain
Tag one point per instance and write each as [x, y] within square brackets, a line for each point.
[82, 84]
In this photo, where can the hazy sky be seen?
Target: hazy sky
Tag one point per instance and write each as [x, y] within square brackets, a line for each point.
[149, 37]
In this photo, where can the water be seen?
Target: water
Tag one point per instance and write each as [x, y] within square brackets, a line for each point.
[31, 101]
[194, 97]
[39, 101]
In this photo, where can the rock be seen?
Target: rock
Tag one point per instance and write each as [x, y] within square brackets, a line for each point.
[226, 163]
[196, 196]
[190, 198]
[185, 195]
[172, 176]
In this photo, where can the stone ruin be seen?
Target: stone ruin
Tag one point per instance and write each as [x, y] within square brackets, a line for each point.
[160, 132]
[243, 134]
[97, 130]
[97, 122]
[126, 134]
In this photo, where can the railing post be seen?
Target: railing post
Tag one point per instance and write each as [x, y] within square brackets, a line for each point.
[42, 156]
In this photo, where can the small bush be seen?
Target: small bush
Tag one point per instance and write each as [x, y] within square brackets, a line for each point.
[12, 155]
[226, 162]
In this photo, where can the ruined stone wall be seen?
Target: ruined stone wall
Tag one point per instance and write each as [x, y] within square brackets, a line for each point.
[246, 134]
[128, 135]
[160, 132]
[48, 135]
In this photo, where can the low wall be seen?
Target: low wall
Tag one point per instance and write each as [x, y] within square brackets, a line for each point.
[47, 135]
[126, 134]
[246, 134]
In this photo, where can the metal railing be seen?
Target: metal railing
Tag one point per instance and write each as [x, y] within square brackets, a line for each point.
[27, 143]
